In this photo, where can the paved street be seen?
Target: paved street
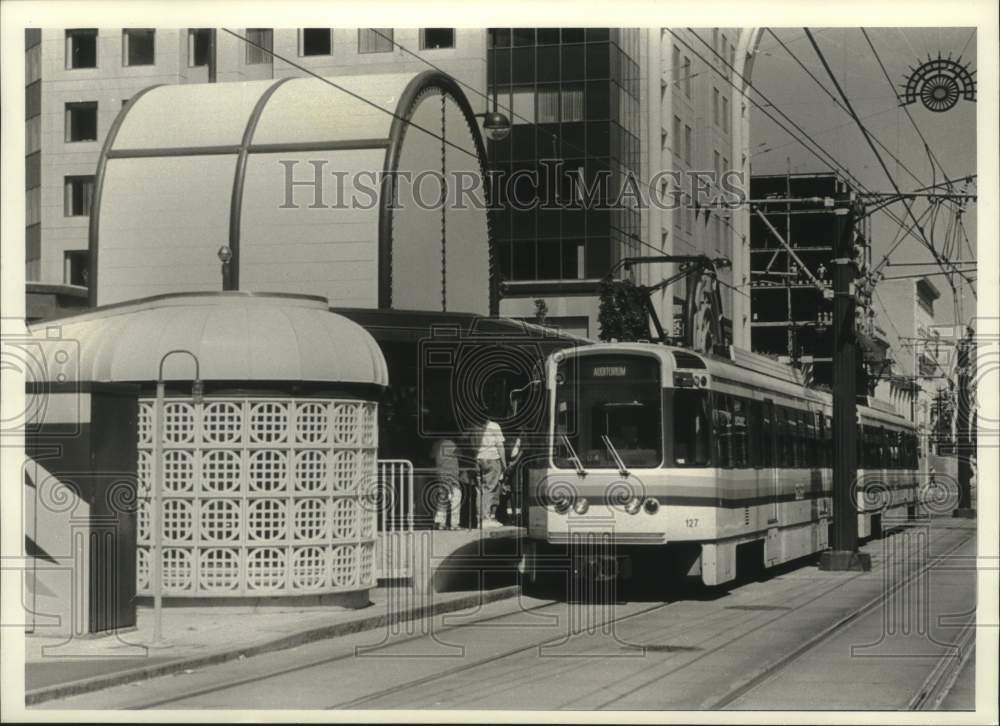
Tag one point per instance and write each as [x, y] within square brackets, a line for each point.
[754, 646]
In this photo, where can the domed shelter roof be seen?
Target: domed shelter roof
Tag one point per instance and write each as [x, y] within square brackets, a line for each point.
[305, 180]
[235, 336]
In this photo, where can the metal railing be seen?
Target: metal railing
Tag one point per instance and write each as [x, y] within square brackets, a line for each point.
[396, 506]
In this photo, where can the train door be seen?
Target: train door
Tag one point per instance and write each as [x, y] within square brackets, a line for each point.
[769, 482]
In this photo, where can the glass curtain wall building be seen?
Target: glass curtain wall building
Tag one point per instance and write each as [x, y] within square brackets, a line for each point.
[572, 95]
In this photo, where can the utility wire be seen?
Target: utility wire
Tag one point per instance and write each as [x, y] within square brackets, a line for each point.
[837, 101]
[903, 166]
[878, 156]
[906, 110]
[830, 158]
[358, 96]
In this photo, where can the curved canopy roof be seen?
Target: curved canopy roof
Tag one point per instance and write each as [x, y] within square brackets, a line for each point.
[236, 336]
[310, 183]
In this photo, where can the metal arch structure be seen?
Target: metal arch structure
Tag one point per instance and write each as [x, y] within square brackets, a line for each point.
[248, 126]
[939, 82]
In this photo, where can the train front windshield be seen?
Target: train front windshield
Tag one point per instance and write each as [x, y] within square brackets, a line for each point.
[607, 406]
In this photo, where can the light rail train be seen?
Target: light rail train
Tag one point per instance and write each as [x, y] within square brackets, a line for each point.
[680, 462]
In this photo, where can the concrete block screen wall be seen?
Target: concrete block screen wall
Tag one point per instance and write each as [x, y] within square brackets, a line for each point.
[262, 496]
[269, 482]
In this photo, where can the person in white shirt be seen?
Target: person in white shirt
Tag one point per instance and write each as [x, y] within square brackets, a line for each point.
[491, 462]
[448, 498]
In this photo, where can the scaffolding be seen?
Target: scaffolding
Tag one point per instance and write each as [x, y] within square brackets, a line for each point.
[792, 233]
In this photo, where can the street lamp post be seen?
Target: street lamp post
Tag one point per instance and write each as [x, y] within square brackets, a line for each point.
[225, 255]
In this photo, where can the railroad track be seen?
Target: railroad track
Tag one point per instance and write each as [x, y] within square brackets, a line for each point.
[935, 681]
[930, 694]
[939, 683]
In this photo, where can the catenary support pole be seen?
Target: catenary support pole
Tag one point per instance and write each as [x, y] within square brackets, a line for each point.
[844, 554]
[963, 428]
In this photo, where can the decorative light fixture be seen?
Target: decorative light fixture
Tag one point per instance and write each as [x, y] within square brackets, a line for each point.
[939, 83]
[496, 125]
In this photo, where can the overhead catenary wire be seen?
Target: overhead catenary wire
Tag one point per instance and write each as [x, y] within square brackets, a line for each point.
[648, 185]
[349, 92]
[909, 230]
[913, 121]
[830, 159]
[878, 156]
[839, 104]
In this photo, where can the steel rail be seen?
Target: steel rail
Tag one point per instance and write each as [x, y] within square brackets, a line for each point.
[776, 668]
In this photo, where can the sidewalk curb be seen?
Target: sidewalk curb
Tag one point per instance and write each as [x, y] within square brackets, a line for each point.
[323, 632]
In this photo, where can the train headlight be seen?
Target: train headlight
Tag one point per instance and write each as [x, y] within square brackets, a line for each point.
[633, 505]
[652, 506]
[561, 504]
[581, 505]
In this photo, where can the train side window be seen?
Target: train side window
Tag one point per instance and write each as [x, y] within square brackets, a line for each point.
[862, 446]
[793, 439]
[809, 438]
[828, 443]
[766, 437]
[784, 445]
[802, 459]
[740, 433]
[691, 442]
[820, 440]
[723, 431]
[755, 435]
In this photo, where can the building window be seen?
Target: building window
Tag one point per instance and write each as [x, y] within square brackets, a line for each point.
[260, 46]
[81, 48]
[434, 38]
[81, 121]
[79, 190]
[676, 143]
[33, 100]
[732, 56]
[138, 46]
[715, 106]
[725, 114]
[315, 41]
[522, 105]
[75, 264]
[687, 76]
[199, 46]
[548, 105]
[675, 66]
[375, 40]
[572, 103]
[687, 145]
[498, 37]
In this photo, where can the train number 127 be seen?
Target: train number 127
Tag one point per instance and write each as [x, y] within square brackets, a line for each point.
[691, 522]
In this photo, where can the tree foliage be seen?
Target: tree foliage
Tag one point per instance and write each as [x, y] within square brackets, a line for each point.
[622, 314]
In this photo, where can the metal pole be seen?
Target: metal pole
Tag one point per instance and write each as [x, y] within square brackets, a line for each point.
[963, 440]
[156, 560]
[844, 554]
[156, 517]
